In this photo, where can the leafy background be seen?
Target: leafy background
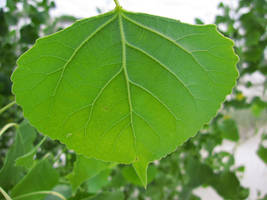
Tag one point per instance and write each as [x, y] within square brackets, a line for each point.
[30, 163]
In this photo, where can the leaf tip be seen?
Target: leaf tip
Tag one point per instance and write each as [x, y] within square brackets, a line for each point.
[141, 170]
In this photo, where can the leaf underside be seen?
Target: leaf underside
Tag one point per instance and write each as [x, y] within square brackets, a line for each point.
[125, 87]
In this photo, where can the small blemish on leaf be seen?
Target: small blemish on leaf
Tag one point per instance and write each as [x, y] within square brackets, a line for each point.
[105, 108]
[68, 135]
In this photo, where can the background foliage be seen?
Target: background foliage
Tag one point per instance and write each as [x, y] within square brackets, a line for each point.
[31, 163]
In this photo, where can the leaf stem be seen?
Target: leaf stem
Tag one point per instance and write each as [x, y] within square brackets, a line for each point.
[7, 197]
[117, 3]
[7, 107]
[41, 192]
[7, 126]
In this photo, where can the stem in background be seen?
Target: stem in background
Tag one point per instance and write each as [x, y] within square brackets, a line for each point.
[7, 107]
[117, 3]
[7, 197]
[41, 192]
[7, 126]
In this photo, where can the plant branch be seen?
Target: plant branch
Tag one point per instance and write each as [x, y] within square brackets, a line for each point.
[7, 107]
[7, 126]
[7, 197]
[41, 192]
[117, 3]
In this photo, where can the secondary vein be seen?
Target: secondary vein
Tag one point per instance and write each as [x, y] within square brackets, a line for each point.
[78, 48]
[170, 40]
[165, 68]
[97, 97]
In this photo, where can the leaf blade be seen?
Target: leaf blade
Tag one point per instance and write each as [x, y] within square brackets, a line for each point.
[159, 82]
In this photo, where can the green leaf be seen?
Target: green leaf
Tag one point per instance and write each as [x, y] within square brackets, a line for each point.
[228, 186]
[64, 190]
[116, 195]
[262, 153]
[125, 87]
[28, 34]
[130, 175]
[117, 180]
[225, 183]
[3, 24]
[199, 173]
[11, 174]
[42, 177]
[229, 129]
[86, 168]
[27, 159]
[97, 182]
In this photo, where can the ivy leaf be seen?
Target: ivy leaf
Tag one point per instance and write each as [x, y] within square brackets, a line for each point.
[125, 87]
[86, 168]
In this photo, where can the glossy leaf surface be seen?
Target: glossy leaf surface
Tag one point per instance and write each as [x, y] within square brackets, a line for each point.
[125, 87]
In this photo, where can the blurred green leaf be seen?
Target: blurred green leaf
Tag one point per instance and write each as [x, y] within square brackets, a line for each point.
[27, 159]
[3, 24]
[117, 180]
[130, 175]
[11, 174]
[199, 173]
[64, 190]
[229, 129]
[42, 177]
[228, 186]
[262, 150]
[86, 168]
[28, 34]
[115, 195]
[198, 21]
[96, 183]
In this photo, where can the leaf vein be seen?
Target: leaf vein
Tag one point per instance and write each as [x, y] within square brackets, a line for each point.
[97, 97]
[165, 68]
[170, 40]
[188, 35]
[155, 97]
[123, 42]
[115, 124]
[77, 50]
[148, 123]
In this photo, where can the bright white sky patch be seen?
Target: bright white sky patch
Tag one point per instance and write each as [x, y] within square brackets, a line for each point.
[186, 11]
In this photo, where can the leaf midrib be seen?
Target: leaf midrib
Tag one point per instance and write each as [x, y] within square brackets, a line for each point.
[123, 42]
